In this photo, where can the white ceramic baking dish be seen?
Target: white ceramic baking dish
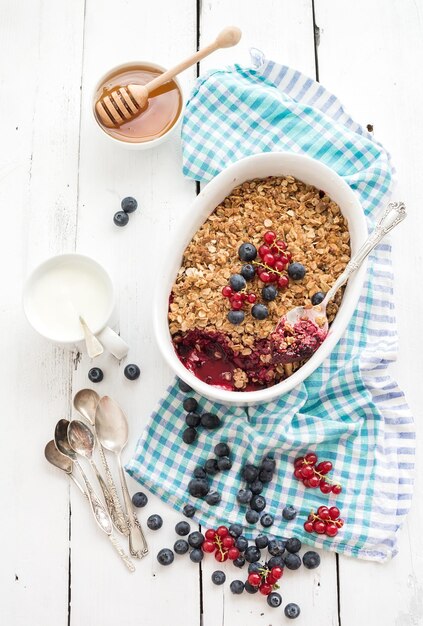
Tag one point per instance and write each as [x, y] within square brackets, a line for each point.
[259, 166]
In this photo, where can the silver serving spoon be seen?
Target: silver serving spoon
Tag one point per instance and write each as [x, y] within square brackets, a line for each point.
[62, 462]
[391, 217]
[100, 514]
[112, 430]
[85, 402]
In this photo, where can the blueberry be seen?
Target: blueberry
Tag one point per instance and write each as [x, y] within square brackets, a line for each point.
[276, 561]
[213, 498]
[183, 386]
[276, 547]
[139, 499]
[249, 588]
[199, 472]
[241, 543]
[258, 503]
[196, 555]
[244, 496]
[252, 554]
[261, 541]
[235, 530]
[188, 510]
[292, 561]
[265, 476]
[195, 539]
[237, 282]
[274, 599]
[260, 311]
[248, 271]
[154, 522]
[190, 405]
[254, 567]
[193, 419]
[311, 560]
[269, 293]
[296, 271]
[292, 610]
[250, 473]
[181, 546]
[237, 586]
[218, 577]
[222, 449]
[239, 562]
[317, 298]
[293, 545]
[256, 487]
[132, 371]
[252, 517]
[224, 463]
[95, 375]
[165, 556]
[129, 205]
[198, 487]
[236, 317]
[247, 252]
[210, 421]
[211, 467]
[189, 435]
[182, 529]
[289, 513]
[267, 520]
[121, 218]
[268, 464]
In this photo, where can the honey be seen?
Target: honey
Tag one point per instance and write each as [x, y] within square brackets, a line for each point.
[162, 111]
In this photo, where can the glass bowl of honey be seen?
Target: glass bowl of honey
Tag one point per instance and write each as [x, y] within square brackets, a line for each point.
[158, 121]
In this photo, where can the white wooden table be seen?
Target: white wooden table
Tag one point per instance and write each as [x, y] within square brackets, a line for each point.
[60, 184]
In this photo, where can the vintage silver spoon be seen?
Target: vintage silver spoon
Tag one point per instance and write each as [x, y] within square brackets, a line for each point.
[391, 217]
[100, 514]
[85, 402]
[61, 461]
[112, 430]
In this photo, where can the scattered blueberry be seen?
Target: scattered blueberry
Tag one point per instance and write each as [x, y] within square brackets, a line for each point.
[250, 473]
[311, 559]
[274, 599]
[132, 371]
[139, 499]
[265, 476]
[190, 405]
[196, 555]
[95, 375]
[121, 218]
[248, 271]
[254, 567]
[292, 610]
[183, 386]
[222, 449]
[181, 546]
[293, 545]
[210, 421]
[247, 252]
[276, 547]
[195, 539]
[241, 543]
[200, 472]
[269, 293]
[289, 513]
[276, 561]
[252, 517]
[260, 311]
[182, 529]
[188, 510]
[189, 435]
[154, 522]
[249, 588]
[252, 554]
[292, 561]
[261, 541]
[239, 562]
[224, 463]
[213, 498]
[218, 577]
[268, 464]
[237, 586]
[198, 487]
[266, 520]
[317, 298]
[256, 487]
[244, 496]
[236, 317]
[258, 503]
[211, 467]
[129, 205]
[165, 556]
[193, 419]
[296, 271]
[237, 282]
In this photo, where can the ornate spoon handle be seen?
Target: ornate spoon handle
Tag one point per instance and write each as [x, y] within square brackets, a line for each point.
[137, 543]
[125, 558]
[115, 510]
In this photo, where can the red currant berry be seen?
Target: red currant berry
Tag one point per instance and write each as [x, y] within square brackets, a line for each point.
[208, 546]
[220, 556]
[228, 541]
[271, 580]
[311, 458]
[254, 579]
[233, 553]
[236, 304]
[227, 291]
[299, 462]
[265, 277]
[281, 244]
[276, 572]
[314, 481]
[323, 513]
[331, 530]
[336, 489]
[237, 297]
[340, 522]
[306, 482]
[325, 487]
[244, 296]
[269, 237]
[283, 281]
[334, 512]
[297, 473]
[324, 467]
[265, 589]
[273, 277]
[210, 534]
[307, 471]
[269, 259]
[308, 527]
[222, 531]
[263, 250]
[279, 266]
[288, 256]
[252, 298]
[319, 527]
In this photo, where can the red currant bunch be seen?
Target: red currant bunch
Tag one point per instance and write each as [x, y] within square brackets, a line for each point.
[238, 298]
[274, 260]
[325, 522]
[265, 579]
[313, 474]
[221, 543]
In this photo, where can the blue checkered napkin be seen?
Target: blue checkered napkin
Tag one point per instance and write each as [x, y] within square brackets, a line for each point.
[349, 410]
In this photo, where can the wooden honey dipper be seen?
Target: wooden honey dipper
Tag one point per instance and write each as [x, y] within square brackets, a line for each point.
[124, 103]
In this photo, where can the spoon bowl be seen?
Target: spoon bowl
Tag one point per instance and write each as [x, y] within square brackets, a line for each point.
[56, 458]
[61, 439]
[85, 402]
[81, 438]
[111, 425]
